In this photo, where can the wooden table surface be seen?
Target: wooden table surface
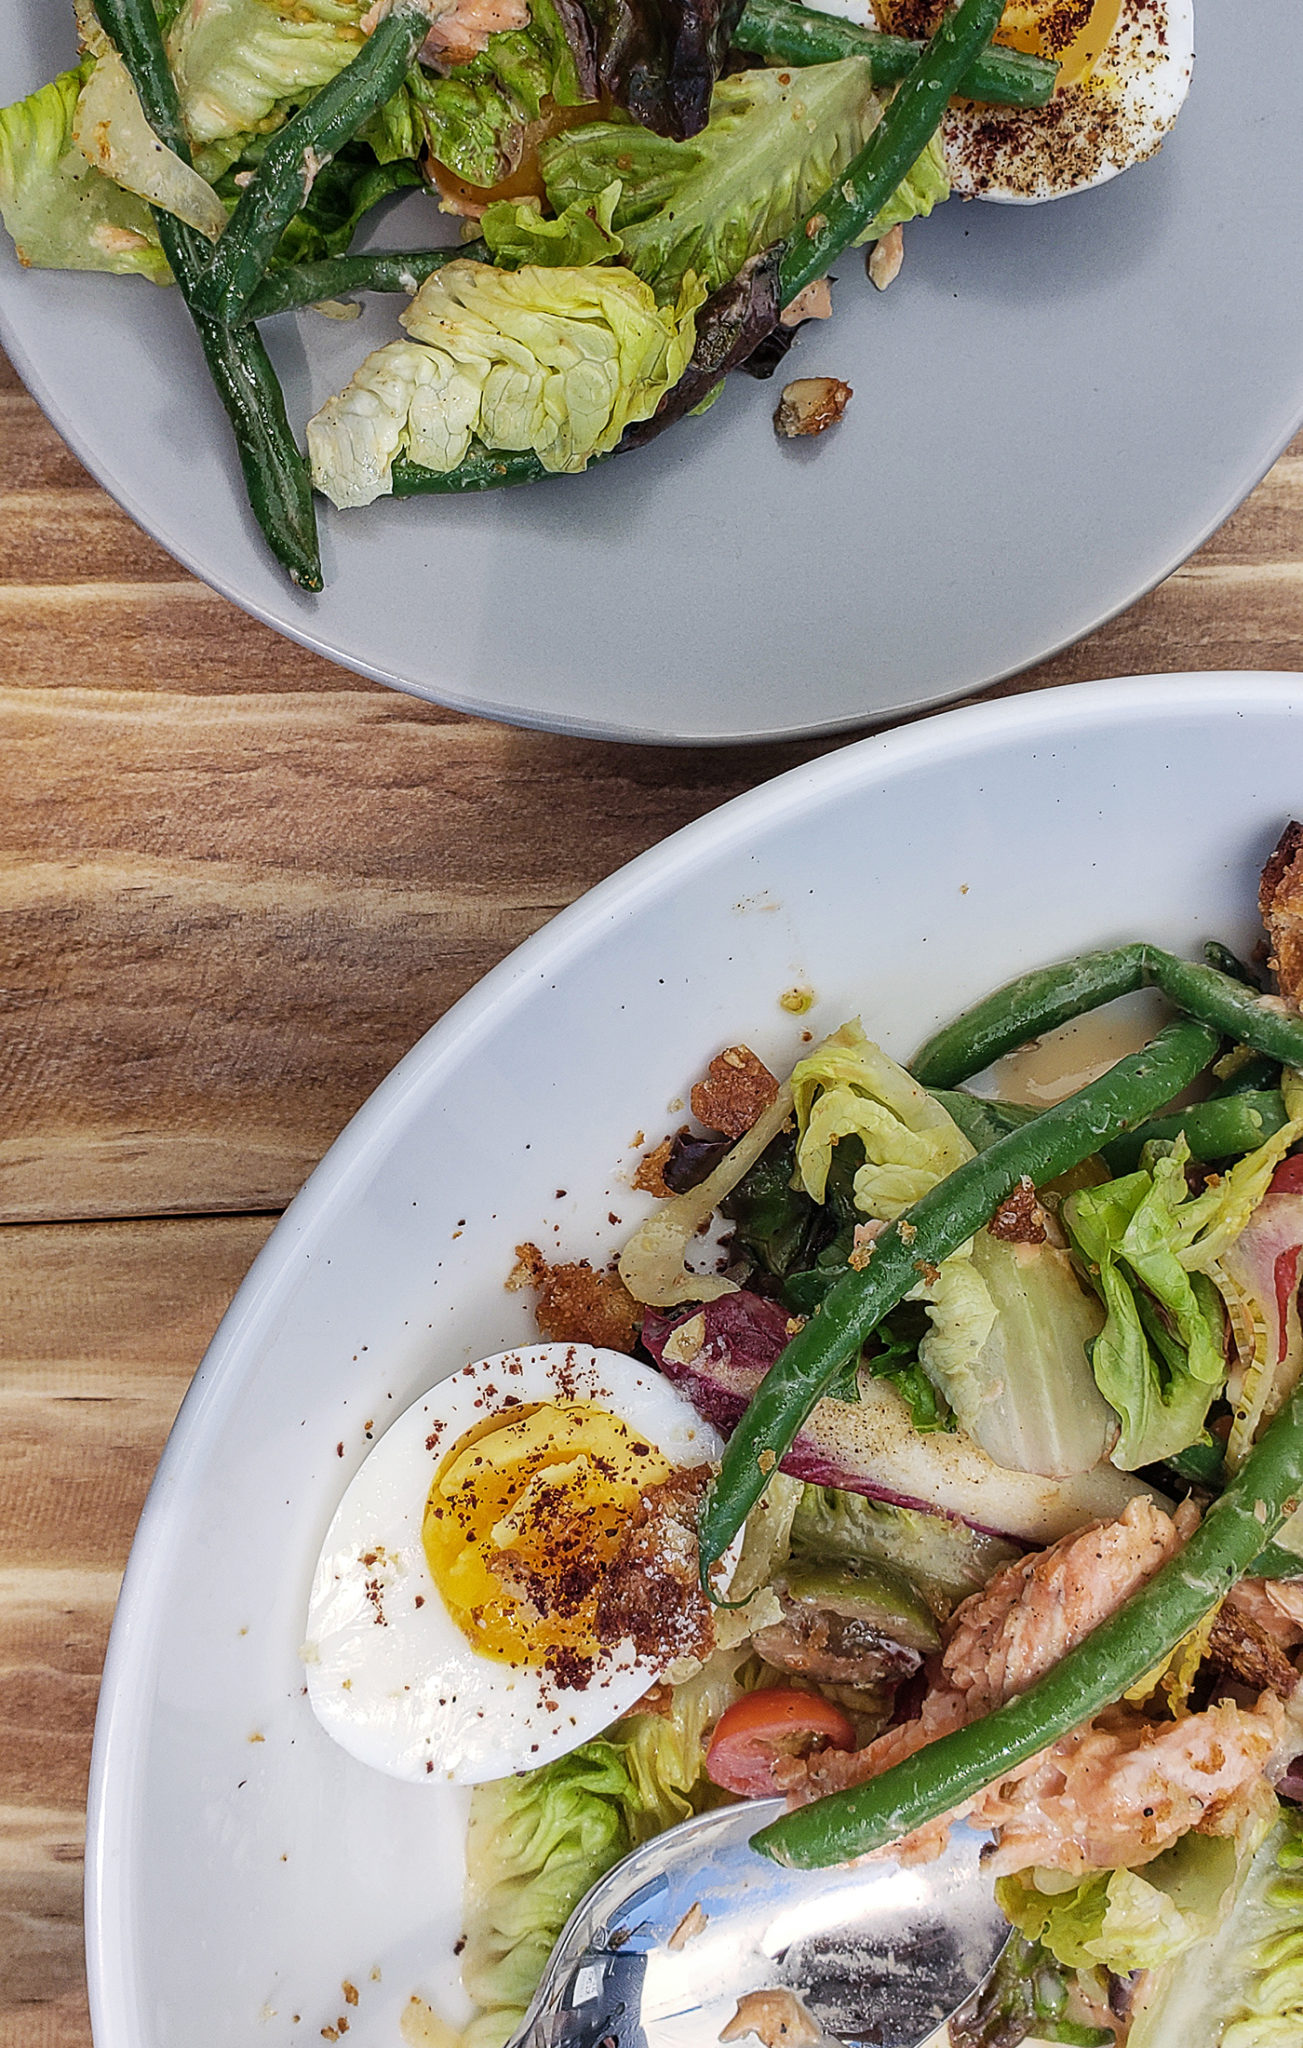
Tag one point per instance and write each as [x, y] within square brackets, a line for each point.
[236, 884]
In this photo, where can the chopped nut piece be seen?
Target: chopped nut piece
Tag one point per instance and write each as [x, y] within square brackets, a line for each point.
[1280, 898]
[886, 257]
[577, 1305]
[777, 2017]
[1020, 1218]
[811, 405]
[736, 1092]
[693, 1921]
[650, 1177]
[1241, 1646]
[814, 303]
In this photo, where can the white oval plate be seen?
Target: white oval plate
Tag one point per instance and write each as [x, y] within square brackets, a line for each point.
[1054, 406]
[230, 1877]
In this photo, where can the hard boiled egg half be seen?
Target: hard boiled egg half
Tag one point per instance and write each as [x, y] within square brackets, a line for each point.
[512, 1567]
[1124, 71]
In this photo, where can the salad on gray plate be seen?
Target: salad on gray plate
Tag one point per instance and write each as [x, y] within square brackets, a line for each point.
[653, 193]
[923, 1455]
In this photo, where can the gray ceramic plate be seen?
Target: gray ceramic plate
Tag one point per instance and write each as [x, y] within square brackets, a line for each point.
[1053, 407]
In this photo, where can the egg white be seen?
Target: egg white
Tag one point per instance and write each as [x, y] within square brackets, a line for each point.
[1088, 133]
[395, 1682]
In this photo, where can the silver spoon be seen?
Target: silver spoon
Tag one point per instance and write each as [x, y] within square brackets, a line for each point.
[875, 1952]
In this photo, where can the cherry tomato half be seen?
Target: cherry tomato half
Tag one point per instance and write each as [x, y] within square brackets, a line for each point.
[756, 1730]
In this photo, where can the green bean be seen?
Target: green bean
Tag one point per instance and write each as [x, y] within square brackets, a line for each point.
[1090, 1677]
[791, 34]
[290, 285]
[1246, 1073]
[1049, 996]
[1220, 956]
[275, 474]
[295, 154]
[894, 147]
[1221, 1128]
[1024, 1008]
[483, 469]
[916, 1244]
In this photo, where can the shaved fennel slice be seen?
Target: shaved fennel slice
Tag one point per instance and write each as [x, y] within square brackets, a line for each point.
[653, 1264]
[112, 133]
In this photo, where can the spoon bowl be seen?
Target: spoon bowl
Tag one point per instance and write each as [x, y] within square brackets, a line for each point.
[669, 1948]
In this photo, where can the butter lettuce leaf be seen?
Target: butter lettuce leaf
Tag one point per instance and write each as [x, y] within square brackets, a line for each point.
[63, 213]
[1242, 1984]
[241, 64]
[517, 231]
[1124, 1920]
[1008, 1348]
[849, 1088]
[775, 140]
[536, 1843]
[1170, 1265]
[472, 118]
[922, 188]
[558, 360]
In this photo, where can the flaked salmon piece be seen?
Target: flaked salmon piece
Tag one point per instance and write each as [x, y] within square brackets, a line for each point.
[1035, 1611]
[1276, 1605]
[1122, 1789]
[1008, 1635]
[463, 31]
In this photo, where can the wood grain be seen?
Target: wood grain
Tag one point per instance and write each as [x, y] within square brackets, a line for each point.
[101, 1328]
[236, 883]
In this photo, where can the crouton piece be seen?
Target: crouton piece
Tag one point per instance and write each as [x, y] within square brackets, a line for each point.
[577, 1305]
[1280, 899]
[736, 1092]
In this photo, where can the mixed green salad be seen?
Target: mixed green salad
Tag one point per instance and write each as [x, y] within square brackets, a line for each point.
[1014, 1409]
[656, 184]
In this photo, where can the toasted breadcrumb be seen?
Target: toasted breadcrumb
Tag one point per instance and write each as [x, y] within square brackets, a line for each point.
[650, 1177]
[577, 1305]
[736, 1092]
[1280, 898]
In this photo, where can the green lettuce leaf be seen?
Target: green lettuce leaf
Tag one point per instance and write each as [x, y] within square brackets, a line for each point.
[1242, 1984]
[849, 1088]
[517, 232]
[1159, 1359]
[558, 360]
[343, 192]
[775, 140]
[64, 214]
[1126, 1920]
[1008, 1348]
[918, 192]
[240, 64]
[473, 118]
[537, 1842]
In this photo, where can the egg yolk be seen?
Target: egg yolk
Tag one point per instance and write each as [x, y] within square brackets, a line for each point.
[522, 1520]
[1074, 34]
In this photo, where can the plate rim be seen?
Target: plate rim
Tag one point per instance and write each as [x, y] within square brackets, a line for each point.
[600, 729]
[1050, 715]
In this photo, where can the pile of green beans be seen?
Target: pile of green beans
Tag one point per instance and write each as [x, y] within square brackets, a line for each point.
[1112, 1658]
[275, 473]
[918, 1241]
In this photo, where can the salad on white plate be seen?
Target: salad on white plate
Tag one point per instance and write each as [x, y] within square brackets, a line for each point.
[655, 192]
[1005, 1524]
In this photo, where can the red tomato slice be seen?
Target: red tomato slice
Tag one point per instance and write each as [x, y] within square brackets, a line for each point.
[1288, 1177]
[758, 1729]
